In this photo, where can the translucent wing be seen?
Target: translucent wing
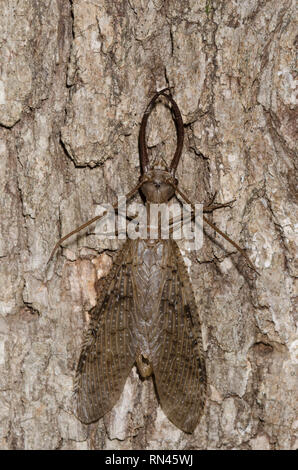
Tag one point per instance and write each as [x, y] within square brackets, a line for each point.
[108, 352]
[178, 360]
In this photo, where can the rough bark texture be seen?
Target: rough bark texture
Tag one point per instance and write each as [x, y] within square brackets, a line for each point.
[75, 79]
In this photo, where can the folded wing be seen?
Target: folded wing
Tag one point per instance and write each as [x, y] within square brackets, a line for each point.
[108, 352]
[178, 360]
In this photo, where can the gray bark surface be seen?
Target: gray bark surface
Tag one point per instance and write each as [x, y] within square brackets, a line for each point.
[75, 79]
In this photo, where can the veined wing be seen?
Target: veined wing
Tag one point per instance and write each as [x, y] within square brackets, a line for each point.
[178, 360]
[108, 352]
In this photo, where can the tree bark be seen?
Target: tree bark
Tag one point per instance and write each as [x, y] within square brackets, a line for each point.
[75, 80]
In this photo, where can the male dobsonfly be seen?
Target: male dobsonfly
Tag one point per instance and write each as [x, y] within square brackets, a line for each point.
[146, 312]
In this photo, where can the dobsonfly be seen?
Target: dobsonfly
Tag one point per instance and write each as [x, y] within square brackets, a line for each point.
[146, 312]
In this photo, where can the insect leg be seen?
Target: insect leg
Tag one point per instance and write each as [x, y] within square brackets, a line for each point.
[212, 207]
[243, 253]
[175, 222]
[98, 217]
